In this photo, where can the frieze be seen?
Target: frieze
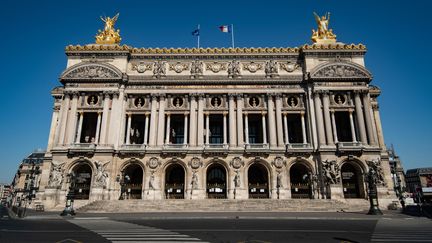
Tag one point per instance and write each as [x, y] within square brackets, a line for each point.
[141, 67]
[92, 71]
[216, 67]
[340, 70]
[252, 67]
[289, 66]
[178, 67]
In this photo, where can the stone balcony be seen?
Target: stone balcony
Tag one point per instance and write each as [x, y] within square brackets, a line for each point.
[257, 148]
[129, 149]
[175, 149]
[293, 148]
[81, 148]
[344, 147]
[216, 149]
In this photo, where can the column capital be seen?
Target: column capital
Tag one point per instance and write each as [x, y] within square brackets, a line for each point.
[231, 95]
[154, 96]
[81, 113]
[245, 113]
[332, 110]
[225, 113]
[99, 113]
[106, 94]
[239, 96]
[129, 114]
[263, 113]
[375, 106]
[186, 113]
[350, 111]
[325, 93]
[147, 113]
[168, 113]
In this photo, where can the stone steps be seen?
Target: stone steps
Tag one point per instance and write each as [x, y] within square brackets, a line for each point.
[226, 205]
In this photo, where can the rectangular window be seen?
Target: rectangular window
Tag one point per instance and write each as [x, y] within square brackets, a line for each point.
[295, 133]
[88, 130]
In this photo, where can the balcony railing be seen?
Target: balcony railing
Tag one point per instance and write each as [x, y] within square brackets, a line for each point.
[349, 146]
[133, 147]
[175, 146]
[257, 146]
[298, 147]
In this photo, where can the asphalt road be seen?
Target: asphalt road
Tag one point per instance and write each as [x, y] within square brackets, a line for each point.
[214, 227]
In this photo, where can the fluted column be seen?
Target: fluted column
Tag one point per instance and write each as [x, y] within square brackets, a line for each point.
[54, 124]
[161, 120]
[264, 128]
[224, 128]
[61, 127]
[360, 118]
[319, 119]
[327, 120]
[303, 128]
[200, 127]
[380, 136]
[98, 124]
[128, 132]
[146, 125]
[168, 129]
[72, 121]
[286, 128]
[279, 124]
[271, 121]
[246, 130]
[185, 136]
[102, 138]
[80, 122]
[368, 118]
[354, 138]
[123, 127]
[232, 122]
[193, 121]
[240, 140]
[153, 121]
[207, 129]
[334, 126]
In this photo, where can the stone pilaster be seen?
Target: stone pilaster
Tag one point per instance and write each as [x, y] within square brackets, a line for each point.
[153, 121]
[240, 131]
[279, 124]
[161, 121]
[319, 119]
[72, 119]
[232, 122]
[271, 121]
[360, 118]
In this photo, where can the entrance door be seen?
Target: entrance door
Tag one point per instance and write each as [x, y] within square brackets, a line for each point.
[133, 184]
[83, 173]
[174, 182]
[299, 179]
[258, 181]
[216, 181]
[351, 180]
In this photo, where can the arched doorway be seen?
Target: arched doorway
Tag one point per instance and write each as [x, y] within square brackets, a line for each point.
[174, 182]
[133, 181]
[300, 181]
[216, 181]
[258, 181]
[83, 178]
[352, 181]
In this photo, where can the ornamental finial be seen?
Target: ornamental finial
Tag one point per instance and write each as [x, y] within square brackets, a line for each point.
[323, 35]
[109, 35]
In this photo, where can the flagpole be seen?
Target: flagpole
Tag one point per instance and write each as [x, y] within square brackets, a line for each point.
[199, 36]
[232, 35]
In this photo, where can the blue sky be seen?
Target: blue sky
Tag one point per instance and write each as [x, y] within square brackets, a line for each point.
[34, 34]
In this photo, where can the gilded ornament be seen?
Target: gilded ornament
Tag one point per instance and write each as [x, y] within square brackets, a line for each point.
[109, 35]
[323, 35]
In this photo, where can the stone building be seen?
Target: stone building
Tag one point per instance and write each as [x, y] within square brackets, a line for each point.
[235, 123]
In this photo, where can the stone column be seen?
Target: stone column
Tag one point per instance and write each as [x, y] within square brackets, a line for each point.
[380, 136]
[128, 132]
[98, 124]
[327, 120]
[232, 121]
[240, 140]
[303, 128]
[246, 130]
[113, 120]
[61, 128]
[207, 129]
[286, 128]
[279, 125]
[271, 121]
[161, 121]
[224, 128]
[193, 121]
[168, 129]
[123, 126]
[185, 136]
[120, 125]
[334, 126]
[146, 125]
[80, 122]
[352, 126]
[153, 121]
[72, 121]
[367, 112]
[105, 112]
[54, 124]
[360, 119]
[200, 138]
[319, 119]
[264, 127]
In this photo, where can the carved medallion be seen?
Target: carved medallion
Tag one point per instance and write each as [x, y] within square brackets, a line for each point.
[153, 163]
[252, 67]
[195, 163]
[278, 162]
[178, 67]
[141, 67]
[289, 67]
[237, 163]
[216, 66]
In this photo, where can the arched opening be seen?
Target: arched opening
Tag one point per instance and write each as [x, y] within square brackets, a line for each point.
[83, 178]
[216, 181]
[258, 181]
[352, 181]
[174, 182]
[300, 181]
[133, 181]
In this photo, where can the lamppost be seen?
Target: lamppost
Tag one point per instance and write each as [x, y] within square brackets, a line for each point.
[68, 210]
[373, 193]
[123, 180]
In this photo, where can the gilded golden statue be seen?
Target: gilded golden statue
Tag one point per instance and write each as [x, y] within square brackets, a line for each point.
[109, 35]
[323, 35]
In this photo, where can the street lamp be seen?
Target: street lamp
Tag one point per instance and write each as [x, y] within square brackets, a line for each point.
[68, 210]
[123, 180]
[373, 193]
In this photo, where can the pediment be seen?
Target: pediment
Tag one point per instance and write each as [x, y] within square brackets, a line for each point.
[91, 71]
[340, 71]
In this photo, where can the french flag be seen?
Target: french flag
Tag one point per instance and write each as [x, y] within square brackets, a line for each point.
[225, 28]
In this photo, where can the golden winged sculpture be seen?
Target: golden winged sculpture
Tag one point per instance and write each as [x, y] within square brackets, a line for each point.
[323, 35]
[109, 35]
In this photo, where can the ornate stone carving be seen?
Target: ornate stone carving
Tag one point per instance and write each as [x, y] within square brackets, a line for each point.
[375, 165]
[278, 162]
[178, 67]
[252, 67]
[331, 172]
[340, 70]
[195, 163]
[196, 68]
[237, 163]
[289, 67]
[141, 67]
[159, 69]
[194, 181]
[237, 179]
[56, 175]
[216, 66]
[153, 163]
[152, 184]
[92, 71]
[279, 183]
[234, 69]
[109, 35]
[101, 175]
[271, 69]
